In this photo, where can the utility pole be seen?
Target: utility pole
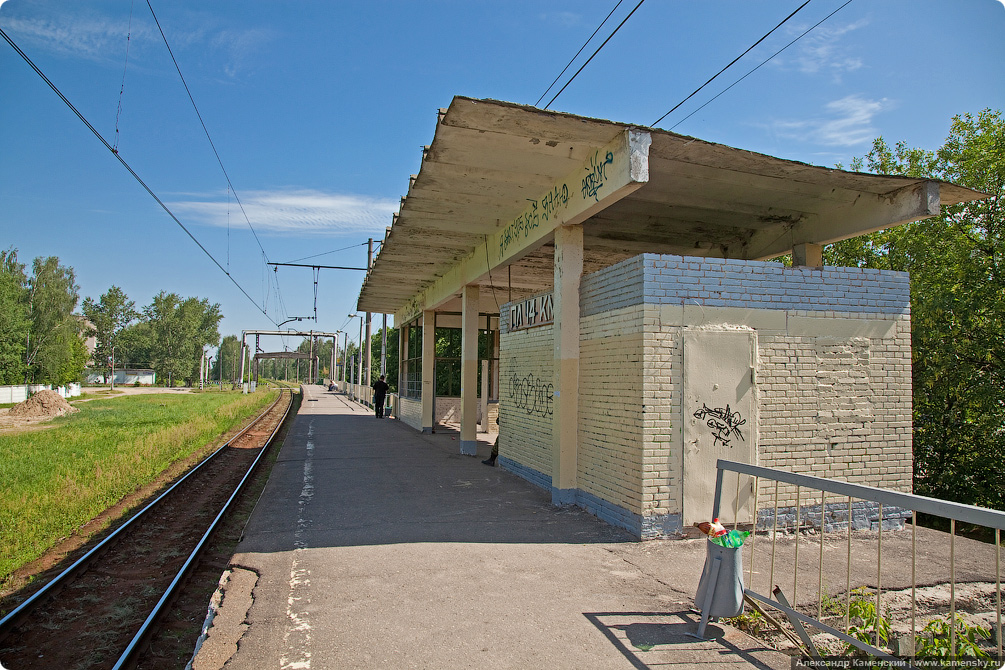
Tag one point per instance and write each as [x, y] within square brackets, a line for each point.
[345, 352]
[359, 376]
[383, 348]
[310, 362]
[255, 358]
[244, 343]
[331, 368]
[369, 266]
[113, 367]
[202, 368]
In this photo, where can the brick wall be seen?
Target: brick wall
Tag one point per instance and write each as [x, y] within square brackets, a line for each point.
[833, 384]
[833, 374]
[661, 446]
[837, 407]
[410, 412]
[714, 282]
[611, 396]
[526, 385]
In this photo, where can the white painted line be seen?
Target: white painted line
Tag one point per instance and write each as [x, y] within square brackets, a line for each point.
[297, 638]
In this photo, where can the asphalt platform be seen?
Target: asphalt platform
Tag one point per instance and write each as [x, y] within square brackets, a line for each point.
[374, 546]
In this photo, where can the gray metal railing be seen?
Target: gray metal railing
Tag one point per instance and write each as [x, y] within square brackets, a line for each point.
[845, 493]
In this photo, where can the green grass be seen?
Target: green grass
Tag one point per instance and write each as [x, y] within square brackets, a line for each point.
[53, 481]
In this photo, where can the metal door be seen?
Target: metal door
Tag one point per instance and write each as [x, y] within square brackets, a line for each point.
[720, 420]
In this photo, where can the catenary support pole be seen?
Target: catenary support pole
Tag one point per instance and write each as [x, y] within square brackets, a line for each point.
[244, 344]
[359, 375]
[383, 347]
[367, 354]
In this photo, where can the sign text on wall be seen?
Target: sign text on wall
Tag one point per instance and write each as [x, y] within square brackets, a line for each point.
[536, 311]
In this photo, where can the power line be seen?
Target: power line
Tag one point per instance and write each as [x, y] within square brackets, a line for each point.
[573, 59]
[766, 35]
[126, 165]
[765, 61]
[206, 130]
[594, 54]
[325, 253]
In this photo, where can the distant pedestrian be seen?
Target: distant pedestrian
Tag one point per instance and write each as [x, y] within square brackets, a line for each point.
[379, 394]
[491, 460]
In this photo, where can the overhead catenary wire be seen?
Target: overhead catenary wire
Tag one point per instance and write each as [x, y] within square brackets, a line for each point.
[125, 65]
[206, 130]
[128, 168]
[573, 59]
[615, 32]
[761, 64]
[732, 62]
[325, 253]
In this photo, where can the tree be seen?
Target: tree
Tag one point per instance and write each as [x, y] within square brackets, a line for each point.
[391, 364]
[135, 346]
[179, 332]
[228, 356]
[52, 351]
[957, 267]
[109, 317]
[14, 322]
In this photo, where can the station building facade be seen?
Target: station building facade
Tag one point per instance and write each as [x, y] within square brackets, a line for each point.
[630, 321]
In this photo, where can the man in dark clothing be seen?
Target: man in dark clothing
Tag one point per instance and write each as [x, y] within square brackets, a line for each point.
[379, 394]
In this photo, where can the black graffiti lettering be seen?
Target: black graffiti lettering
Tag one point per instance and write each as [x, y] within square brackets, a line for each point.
[725, 424]
[532, 394]
[597, 175]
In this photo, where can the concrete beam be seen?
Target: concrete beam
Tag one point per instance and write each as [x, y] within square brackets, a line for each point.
[608, 175]
[867, 214]
[808, 255]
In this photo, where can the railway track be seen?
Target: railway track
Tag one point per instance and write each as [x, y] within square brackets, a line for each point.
[100, 611]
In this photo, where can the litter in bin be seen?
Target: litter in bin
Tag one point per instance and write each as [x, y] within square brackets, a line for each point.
[722, 537]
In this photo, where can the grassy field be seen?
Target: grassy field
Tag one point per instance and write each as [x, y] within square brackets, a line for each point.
[52, 481]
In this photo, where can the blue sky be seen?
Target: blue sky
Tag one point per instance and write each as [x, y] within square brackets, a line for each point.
[319, 110]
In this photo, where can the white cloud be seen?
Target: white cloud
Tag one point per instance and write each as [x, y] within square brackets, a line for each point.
[300, 211]
[846, 122]
[564, 19]
[823, 51]
[91, 38]
[95, 37]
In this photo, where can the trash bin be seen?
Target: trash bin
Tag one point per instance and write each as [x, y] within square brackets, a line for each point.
[720, 589]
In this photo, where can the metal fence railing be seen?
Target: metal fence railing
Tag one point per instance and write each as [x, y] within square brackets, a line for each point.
[830, 511]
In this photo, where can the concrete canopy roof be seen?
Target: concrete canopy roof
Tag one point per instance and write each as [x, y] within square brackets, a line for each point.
[466, 217]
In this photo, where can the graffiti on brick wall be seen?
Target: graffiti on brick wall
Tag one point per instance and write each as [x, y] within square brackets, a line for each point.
[725, 423]
[532, 394]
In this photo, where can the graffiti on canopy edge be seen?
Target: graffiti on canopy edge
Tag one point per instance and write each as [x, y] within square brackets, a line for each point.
[542, 209]
[596, 175]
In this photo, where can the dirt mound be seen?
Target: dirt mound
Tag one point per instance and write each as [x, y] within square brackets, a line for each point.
[43, 404]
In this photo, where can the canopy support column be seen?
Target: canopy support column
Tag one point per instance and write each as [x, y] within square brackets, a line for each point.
[565, 421]
[428, 369]
[469, 370]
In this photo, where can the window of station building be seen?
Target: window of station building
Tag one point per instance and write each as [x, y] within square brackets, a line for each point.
[410, 384]
[448, 359]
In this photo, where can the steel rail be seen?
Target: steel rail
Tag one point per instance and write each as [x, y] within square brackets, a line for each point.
[132, 650]
[14, 616]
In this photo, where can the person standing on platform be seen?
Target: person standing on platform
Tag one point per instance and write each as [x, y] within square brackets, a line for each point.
[379, 394]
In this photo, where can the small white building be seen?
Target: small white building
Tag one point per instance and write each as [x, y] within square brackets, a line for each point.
[126, 377]
[621, 278]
